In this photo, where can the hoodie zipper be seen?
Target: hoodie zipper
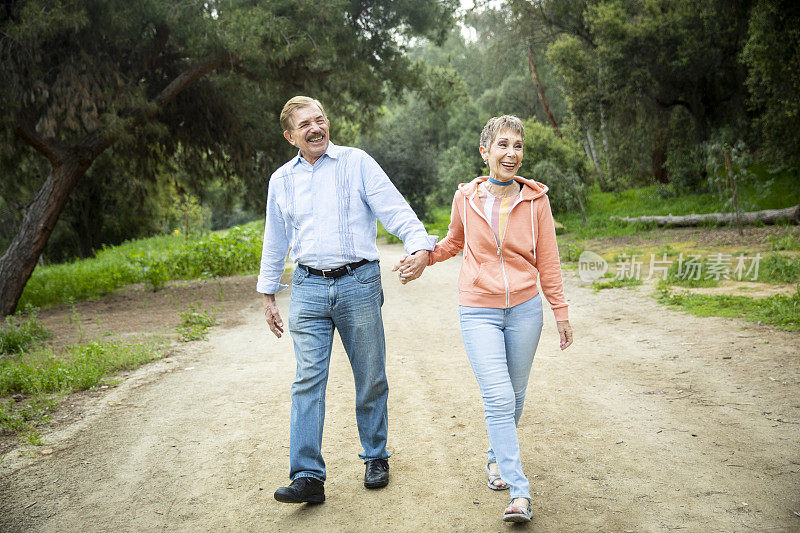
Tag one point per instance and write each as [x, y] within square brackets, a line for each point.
[502, 239]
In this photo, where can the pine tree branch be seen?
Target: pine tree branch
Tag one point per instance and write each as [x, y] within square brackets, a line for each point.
[51, 151]
[185, 79]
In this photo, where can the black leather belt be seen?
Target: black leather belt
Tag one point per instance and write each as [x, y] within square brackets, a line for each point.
[334, 272]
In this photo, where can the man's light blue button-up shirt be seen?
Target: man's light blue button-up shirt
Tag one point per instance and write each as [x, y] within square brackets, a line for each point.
[325, 214]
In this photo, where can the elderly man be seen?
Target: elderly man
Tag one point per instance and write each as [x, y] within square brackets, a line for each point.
[323, 206]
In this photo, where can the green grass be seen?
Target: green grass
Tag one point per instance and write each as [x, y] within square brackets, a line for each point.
[789, 241]
[698, 271]
[632, 203]
[650, 201]
[23, 417]
[693, 271]
[772, 189]
[80, 367]
[37, 377]
[195, 323]
[782, 312]
[778, 268]
[616, 283]
[153, 261]
[21, 331]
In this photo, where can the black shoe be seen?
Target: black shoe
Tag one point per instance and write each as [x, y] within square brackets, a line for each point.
[302, 489]
[376, 474]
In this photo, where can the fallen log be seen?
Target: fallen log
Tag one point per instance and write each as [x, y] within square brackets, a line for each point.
[767, 216]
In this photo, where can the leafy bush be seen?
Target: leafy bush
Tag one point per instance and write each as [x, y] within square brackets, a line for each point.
[777, 268]
[195, 324]
[153, 261]
[111, 268]
[19, 333]
[570, 251]
[788, 241]
[567, 168]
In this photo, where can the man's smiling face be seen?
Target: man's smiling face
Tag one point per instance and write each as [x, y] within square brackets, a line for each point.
[310, 132]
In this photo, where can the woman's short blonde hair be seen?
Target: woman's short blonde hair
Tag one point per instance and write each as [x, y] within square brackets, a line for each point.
[294, 104]
[498, 124]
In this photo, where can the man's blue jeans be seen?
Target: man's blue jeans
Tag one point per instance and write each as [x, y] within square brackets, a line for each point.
[500, 345]
[351, 304]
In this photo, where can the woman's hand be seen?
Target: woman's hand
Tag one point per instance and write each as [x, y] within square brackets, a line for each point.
[411, 266]
[565, 332]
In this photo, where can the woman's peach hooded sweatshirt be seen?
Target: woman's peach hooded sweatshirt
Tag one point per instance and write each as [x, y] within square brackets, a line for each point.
[509, 274]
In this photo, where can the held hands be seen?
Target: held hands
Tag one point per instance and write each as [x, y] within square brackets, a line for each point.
[565, 332]
[411, 266]
[272, 316]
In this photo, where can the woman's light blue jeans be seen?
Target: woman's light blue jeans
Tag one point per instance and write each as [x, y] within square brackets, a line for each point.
[352, 305]
[500, 345]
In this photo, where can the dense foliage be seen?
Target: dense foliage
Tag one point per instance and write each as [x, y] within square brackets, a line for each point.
[655, 91]
[151, 261]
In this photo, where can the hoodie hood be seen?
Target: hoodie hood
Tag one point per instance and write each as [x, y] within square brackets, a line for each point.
[531, 189]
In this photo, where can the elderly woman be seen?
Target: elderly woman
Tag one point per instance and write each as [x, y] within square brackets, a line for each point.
[504, 225]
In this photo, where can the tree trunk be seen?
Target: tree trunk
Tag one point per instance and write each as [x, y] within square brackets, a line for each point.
[657, 160]
[732, 181]
[593, 151]
[540, 90]
[768, 216]
[19, 259]
[583, 209]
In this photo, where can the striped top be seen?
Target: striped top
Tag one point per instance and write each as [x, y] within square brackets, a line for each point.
[496, 210]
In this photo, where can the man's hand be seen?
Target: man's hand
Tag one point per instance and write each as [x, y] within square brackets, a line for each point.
[411, 266]
[565, 333]
[272, 316]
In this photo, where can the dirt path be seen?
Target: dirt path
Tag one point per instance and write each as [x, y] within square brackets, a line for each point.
[653, 421]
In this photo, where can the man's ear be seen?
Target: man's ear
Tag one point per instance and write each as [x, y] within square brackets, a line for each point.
[288, 135]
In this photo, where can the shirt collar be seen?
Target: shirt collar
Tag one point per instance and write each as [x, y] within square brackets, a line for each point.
[332, 151]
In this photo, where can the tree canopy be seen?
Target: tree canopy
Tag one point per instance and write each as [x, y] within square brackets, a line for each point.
[194, 84]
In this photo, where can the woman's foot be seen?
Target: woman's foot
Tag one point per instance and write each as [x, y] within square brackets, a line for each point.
[518, 510]
[494, 482]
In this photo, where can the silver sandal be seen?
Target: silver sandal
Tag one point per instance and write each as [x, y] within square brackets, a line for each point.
[524, 515]
[494, 477]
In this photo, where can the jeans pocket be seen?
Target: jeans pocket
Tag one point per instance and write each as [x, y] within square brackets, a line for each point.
[369, 273]
[298, 276]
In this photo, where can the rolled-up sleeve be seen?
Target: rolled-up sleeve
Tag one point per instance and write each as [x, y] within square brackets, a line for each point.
[391, 208]
[275, 247]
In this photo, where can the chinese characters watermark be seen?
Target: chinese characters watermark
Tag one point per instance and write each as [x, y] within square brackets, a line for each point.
[592, 266]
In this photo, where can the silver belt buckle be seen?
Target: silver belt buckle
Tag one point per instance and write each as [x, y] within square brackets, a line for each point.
[324, 270]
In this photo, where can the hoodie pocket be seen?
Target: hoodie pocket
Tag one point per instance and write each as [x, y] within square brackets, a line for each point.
[521, 274]
[489, 279]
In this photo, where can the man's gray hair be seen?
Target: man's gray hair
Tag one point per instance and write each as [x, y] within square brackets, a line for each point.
[296, 103]
[498, 124]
